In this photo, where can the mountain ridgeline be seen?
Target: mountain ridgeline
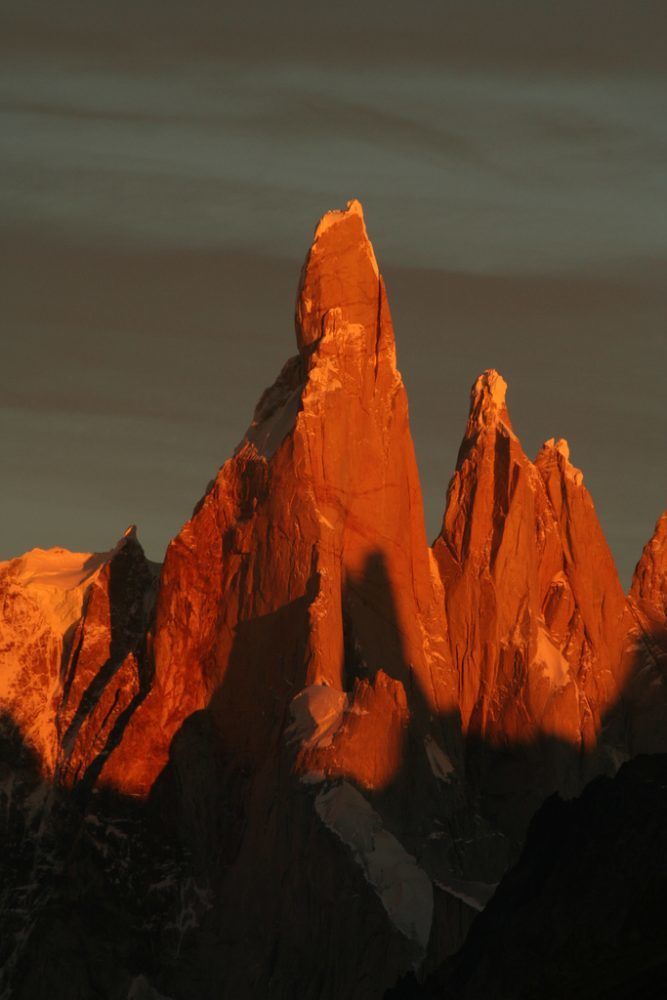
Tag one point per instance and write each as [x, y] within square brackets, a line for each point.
[297, 758]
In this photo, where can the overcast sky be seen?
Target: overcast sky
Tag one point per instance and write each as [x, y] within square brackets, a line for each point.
[162, 167]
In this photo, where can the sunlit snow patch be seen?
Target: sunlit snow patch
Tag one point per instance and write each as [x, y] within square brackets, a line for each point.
[554, 665]
[441, 765]
[56, 580]
[317, 712]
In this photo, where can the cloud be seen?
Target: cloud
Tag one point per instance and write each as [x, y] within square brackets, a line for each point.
[478, 168]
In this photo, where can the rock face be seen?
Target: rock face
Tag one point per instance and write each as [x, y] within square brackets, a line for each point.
[306, 563]
[73, 658]
[648, 643]
[300, 769]
[649, 583]
[537, 618]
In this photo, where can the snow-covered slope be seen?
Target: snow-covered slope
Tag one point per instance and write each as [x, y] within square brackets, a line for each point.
[45, 599]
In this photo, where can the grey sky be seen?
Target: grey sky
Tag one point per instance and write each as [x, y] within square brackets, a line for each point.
[162, 169]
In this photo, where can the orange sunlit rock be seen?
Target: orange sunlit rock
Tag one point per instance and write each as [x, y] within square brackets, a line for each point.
[306, 562]
[647, 645]
[537, 617]
[649, 582]
[305, 566]
[73, 658]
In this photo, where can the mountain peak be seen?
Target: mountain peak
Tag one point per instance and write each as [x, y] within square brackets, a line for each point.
[561, 446]
[557, 452]
[128, 538]
[341, 273]
[335, 216]
[488, 401]
[490, 388]
[649, 583]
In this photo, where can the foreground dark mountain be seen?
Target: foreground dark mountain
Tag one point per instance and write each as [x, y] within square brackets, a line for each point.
[300, 765]
[582, 915]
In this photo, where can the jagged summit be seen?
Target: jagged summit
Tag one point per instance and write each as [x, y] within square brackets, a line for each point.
[340, 274]
[343, 328]
[560, 445]
[336, 216]
[490, 388]
[649, 581]
[556, 453]
[488, 404]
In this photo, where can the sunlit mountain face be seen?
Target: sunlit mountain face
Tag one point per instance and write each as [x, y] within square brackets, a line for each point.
[310, 754]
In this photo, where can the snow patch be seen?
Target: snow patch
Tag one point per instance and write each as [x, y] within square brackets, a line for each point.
[549, 657]
[325, 520]
[268, 434]
[56, 567]
[312, 778]
[473, 894]
[617, 755]
[317, 712]
[56, 580]
[441, 765]
[324, 373]
[404, 888]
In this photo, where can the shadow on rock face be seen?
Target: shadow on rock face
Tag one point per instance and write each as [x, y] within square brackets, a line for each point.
[582, 912]
[233, 879]
[94, 889]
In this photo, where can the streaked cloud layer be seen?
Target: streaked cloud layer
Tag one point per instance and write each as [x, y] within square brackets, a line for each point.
[161, 173]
